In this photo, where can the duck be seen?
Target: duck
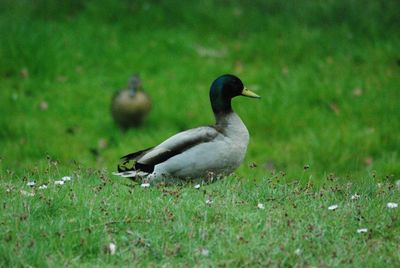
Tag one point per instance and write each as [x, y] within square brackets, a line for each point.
[130, 106]
[204, 153]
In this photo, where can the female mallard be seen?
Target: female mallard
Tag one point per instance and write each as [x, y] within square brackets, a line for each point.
[129, 106]
[198, 153]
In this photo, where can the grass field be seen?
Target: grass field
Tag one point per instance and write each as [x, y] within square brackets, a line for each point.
[327, 127]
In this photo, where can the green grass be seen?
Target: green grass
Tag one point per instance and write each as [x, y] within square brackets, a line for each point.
[328, 74]
[71, 225]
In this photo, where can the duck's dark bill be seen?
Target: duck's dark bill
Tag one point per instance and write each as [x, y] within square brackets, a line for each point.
[249, 93]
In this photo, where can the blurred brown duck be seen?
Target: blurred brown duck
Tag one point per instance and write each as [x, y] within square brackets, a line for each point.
[129, 106]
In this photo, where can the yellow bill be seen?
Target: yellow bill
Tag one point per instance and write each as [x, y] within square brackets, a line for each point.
[249, 93]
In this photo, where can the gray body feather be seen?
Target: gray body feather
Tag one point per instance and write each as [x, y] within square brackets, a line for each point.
[198, 153]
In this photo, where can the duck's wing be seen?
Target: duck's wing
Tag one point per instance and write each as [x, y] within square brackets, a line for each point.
[145, 160]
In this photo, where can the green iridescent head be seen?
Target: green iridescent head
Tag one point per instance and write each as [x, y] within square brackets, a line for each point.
[223, 89]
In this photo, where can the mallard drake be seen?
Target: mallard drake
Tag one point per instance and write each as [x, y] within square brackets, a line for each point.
[200, 153]
[129, 106]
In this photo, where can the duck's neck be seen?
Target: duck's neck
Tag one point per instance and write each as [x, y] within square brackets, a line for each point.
[221, 106]
[228, 119]
[223, 118]
[232, 126]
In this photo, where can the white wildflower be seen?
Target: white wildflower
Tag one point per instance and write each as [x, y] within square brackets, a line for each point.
[204, 252]
[297, 252]
[31, 183]
[333, 207]
[362, 230]
[112, 248]
[66, 178]
[44, 186]
[355, 197]
[145, 185]
[209, 202]
[260, 206]
[58, 182]
[197, 186]
[392, 205]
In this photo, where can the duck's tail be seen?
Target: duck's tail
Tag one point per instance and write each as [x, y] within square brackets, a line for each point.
[129, 162]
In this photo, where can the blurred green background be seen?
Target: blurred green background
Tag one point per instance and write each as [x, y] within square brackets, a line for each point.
[327, 71]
